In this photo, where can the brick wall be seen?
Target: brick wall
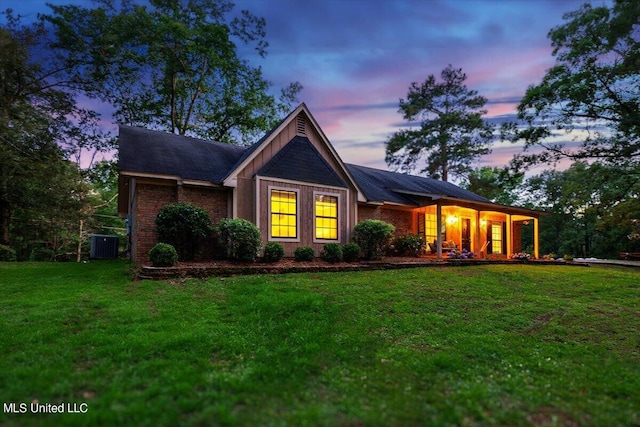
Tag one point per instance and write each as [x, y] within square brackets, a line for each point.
[402, 220]
[214, 201]
[152, 197]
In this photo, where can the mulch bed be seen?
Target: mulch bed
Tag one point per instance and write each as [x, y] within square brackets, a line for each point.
[288, 265]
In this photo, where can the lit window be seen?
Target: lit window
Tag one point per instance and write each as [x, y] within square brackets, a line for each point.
[284, 214]
[496, 238]
[326, 217]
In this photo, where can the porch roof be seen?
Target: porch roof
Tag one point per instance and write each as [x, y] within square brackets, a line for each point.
[382, 186]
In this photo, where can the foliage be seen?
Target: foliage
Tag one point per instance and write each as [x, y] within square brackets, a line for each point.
[183, 225]
[331, 252]
[325, 348]
[351, 252]
[7, 254]
[273, 252]
[592, 93]
[500, 185]
[591, 208]
[241, 238]
[452, 132]
[303, 254]
[163, 255]
[172, 65]
[464, 254]
[373, 237]
[567, 257]
[43, 196]
[41, 253]
[411, 245]
[103, 177]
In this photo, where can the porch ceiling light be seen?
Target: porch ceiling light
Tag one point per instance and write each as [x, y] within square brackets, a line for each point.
[451, 219]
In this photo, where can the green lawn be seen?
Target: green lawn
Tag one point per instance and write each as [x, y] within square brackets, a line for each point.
[482, 345]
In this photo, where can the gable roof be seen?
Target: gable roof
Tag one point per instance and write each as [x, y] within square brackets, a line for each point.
[383, 186]
[267, 139]
[294, 162]
[151, 152]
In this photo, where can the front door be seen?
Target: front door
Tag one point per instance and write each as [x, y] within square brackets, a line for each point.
[466, 234]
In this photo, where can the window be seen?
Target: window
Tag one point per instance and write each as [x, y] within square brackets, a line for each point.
[431, 225]
[496, 238]
[284, 214]
[326, 210]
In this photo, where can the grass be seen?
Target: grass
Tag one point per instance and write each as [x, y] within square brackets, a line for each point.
[482, 345]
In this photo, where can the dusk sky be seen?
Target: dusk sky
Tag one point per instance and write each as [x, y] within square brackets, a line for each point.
[357, 58]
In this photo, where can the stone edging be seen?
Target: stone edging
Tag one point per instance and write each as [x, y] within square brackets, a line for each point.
[195, 271]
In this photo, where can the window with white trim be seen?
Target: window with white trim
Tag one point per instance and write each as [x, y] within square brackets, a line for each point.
[284, 214]
[326, 217]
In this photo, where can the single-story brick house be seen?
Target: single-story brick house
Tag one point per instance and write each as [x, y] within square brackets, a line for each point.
[293, 185]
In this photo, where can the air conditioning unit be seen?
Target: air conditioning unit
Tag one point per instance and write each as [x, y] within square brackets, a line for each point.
[103, 247]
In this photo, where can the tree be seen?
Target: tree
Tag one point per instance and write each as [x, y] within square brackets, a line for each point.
[500, 185]
[591, 209]
[173, 65]
[452, 132]
[42, 194]
[592, 93]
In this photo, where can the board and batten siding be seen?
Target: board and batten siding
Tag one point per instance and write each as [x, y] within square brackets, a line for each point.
[246, 184]
[305, 212]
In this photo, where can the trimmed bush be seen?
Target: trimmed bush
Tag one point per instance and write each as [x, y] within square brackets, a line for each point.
[183, 225]
[241, 238]
[7, 254]
[40, 254]
[332, 252]
[303, 253]
[163, 255]
[273, 252]
[350, 252]
[373, 237]
[412, 245]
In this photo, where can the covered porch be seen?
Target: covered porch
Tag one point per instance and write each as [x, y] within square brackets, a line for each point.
[487, 229]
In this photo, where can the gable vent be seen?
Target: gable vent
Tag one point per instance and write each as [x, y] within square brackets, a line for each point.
[301, 126]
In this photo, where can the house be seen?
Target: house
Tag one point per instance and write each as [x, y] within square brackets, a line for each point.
[293, 185]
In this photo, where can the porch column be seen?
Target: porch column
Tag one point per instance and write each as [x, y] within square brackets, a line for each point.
[509, 237]
[536, 238]
[439, 229]
[476, 241]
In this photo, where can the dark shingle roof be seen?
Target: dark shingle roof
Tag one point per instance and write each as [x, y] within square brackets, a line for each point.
[384, 186]
[146, 151]
[299, 160]
[142, 150]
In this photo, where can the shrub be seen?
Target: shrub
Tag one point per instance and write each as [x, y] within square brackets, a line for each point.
[409, 245]
[373, 237]
[350, 252]
[273, 252]
[163, 255]
[332, 252]
[42, 254]
[303, 253]
[241, 238]
[7, 253]
[183, 225]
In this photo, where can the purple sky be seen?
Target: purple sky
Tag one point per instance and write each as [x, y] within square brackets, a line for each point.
[356, 58]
